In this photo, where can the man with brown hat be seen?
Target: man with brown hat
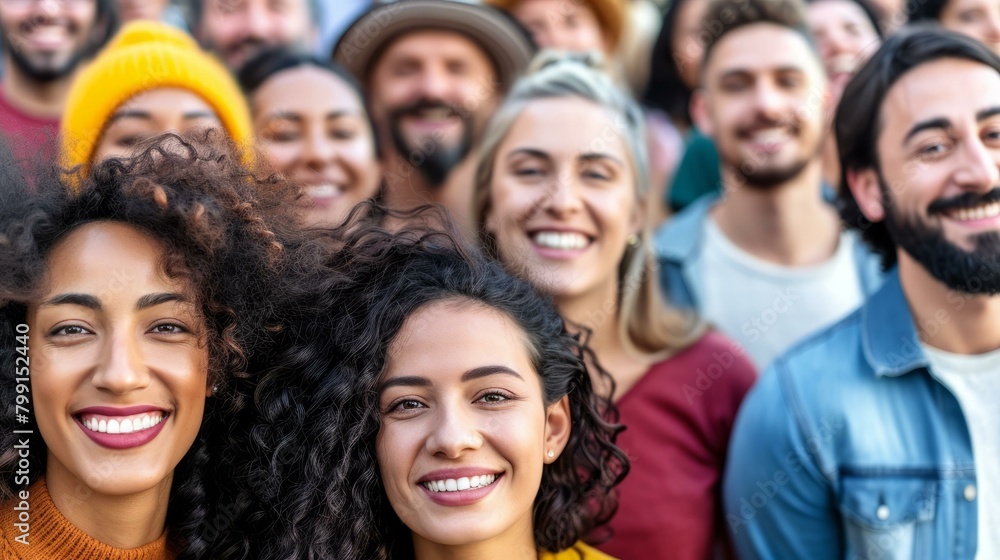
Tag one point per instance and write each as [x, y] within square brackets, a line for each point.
[435, 71]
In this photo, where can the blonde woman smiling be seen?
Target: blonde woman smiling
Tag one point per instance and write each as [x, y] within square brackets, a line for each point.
[560, 197]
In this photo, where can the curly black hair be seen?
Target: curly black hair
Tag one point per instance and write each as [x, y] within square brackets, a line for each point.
[314, 462]
[223, 230]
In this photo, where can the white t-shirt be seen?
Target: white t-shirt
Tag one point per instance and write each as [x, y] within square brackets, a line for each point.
[767, 307]
[975, 382]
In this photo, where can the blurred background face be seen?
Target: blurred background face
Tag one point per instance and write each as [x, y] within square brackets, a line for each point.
[120, 368]
[150, 114]
[464, 426]
[943, 181]
[313, 128]
[238, 29]
[846, 39]
[979, 19]
[764, 98]
[688, 41]
[46, 39]
[563, 197]
[431, 94]
[131, 10]
[562, 25]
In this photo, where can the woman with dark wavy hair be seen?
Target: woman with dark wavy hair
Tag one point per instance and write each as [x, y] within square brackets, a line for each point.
[137, 303]
[430, 405]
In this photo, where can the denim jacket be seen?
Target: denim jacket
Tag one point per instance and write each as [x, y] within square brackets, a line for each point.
[848, 447]
[679, 253]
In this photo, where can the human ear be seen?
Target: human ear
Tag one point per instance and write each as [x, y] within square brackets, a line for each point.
[867, 191]
[699, 113]
[558, 425]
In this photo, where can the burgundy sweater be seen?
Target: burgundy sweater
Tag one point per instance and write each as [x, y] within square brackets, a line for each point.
[678, 418]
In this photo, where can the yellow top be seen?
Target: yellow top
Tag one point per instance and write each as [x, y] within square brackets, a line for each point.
[578, 551]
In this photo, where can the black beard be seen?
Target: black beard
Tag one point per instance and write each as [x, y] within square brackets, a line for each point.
[433, 160]
[975, 272]
[42, 74]
[768, 179]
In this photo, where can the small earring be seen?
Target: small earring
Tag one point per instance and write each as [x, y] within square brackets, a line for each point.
[551, 454]
[215, 389]
[633, 240]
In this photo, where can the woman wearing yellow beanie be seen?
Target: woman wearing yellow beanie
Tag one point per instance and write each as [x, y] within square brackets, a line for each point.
[151, 78]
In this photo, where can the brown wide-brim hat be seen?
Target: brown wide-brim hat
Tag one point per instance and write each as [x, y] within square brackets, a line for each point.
[504, 40]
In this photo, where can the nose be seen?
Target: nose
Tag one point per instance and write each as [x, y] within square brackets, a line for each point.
[564, 197]
[768, 100]
[257, 22]
[455, 433]
[993, 28]
[979, 169]
[122, 367]
[434, 84]
[318, 149]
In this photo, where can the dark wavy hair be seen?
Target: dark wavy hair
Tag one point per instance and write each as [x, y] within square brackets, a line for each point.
[314, 467]
[666, 90]
[222, 230]
[858, 120]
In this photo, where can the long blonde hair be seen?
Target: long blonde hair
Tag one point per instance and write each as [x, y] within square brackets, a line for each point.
[647, 325]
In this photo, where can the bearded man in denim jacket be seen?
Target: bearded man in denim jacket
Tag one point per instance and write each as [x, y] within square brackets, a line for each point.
[880, 437]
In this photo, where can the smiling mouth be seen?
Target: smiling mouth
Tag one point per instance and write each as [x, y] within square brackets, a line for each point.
[980, 212]
[122, 424]
[461, 484]
[560, 240]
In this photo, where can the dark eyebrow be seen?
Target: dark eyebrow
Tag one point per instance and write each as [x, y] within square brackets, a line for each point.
[939, 122]
[489, 370]
[130, 114]
[594, 156]
[199, 115]
[82, 300]
[530, 152]
[987, 113]
[152, 300]
[285, 115]
[405, 381]
[417, 381]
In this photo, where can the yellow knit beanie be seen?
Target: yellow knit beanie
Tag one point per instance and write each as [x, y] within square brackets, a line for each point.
[144, 56]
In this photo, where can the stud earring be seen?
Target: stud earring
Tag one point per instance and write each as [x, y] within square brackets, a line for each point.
[633, 240]
[215, 389]
[551, 454]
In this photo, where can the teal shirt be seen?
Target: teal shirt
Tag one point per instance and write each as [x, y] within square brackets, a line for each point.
[698, 173]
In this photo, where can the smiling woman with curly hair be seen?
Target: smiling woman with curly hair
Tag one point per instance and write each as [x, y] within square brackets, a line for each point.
[428, 403]
[142, 299]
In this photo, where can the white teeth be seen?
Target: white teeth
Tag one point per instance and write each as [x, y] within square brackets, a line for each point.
[989, 210]
[123, 425]
[322, 191]
[770, 136]
[567, 241]
[460, 484]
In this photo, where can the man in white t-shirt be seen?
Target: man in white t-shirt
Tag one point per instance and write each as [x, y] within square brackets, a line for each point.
[880, 436]
[769, 262]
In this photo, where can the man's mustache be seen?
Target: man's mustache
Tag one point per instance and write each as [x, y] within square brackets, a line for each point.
[964, 200]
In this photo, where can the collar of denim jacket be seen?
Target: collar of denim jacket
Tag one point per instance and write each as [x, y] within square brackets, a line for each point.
[889, 337]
